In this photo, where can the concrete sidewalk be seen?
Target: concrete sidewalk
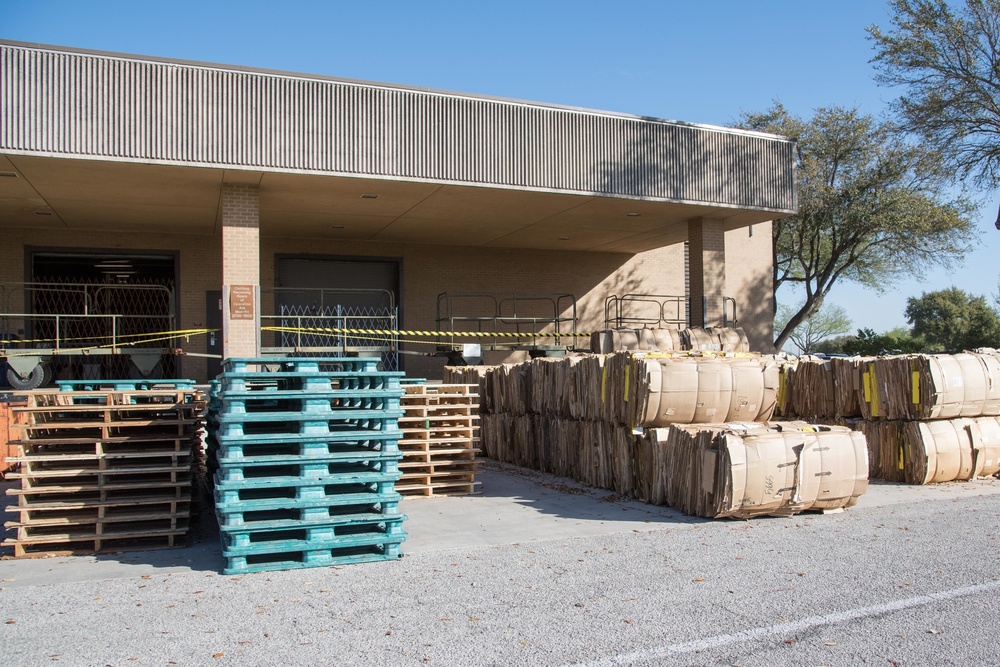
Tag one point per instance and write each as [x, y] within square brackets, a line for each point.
[514, 506]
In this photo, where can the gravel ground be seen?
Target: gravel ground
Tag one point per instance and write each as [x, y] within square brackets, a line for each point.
[840, 589]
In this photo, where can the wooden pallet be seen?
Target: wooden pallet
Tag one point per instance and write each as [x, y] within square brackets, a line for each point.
[104, 470]
[81, 544]
[439, 439]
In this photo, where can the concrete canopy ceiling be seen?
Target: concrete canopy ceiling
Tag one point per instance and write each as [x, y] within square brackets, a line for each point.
[89, 195]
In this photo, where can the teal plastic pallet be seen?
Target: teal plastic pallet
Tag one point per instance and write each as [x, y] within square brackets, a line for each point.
[339, 502]
[311, 527]
[284, 517]
[353, 532]
[326, 558]
[316, 453]
[320, 403]
[243, 364]
[351, 471]
[123, 385]
[229, 493]
[284, 423]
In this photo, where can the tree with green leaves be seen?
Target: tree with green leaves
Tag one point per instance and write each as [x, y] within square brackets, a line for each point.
[867, 343]
[831, 320]
[873, 207]
[947, 63]
[952, 320]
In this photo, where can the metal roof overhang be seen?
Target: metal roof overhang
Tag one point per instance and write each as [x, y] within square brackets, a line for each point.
[102, 142]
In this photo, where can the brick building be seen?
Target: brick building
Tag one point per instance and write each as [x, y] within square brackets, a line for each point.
[235, 187]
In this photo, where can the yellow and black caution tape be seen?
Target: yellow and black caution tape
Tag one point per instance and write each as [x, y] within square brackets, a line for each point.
[373, 338]
[434, 334]
[132, 341]
[170, 334]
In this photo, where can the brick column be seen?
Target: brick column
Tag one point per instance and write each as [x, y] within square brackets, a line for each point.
[706, 270]
[240, 268]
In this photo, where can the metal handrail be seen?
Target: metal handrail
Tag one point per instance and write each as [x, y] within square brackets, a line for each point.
[59, 320]
[660, 317]
[668, 309]
[732, 322]
[500, 313]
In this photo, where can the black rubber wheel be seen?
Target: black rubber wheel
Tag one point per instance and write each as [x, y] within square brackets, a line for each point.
[33, 381]
[49, 374]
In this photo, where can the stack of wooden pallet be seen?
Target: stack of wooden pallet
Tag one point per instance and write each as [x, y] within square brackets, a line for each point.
[438, 439]
[306, 456]
[104, 470]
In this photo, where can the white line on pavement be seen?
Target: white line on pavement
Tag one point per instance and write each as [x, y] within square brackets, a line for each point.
[791, 626]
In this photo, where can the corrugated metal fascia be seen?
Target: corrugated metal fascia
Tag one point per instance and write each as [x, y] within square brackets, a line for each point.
[134, 109]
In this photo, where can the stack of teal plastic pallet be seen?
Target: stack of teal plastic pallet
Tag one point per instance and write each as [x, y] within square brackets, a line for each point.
[305, 456]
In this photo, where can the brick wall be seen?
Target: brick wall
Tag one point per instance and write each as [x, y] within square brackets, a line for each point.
[240, 263]
[428, 270]
[707, 243]
[749, 280]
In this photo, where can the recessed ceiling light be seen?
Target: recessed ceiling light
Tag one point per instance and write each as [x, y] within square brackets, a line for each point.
[8, 174]
[633, 215]
[43, 212]
[369, 196]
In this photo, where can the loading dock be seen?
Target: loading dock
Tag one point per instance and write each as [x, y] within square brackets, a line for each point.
[241, 175]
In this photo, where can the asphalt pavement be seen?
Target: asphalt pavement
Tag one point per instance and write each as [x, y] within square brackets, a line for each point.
[537, 570]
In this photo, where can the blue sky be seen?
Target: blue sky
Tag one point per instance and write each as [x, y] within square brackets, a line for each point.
[704, 62]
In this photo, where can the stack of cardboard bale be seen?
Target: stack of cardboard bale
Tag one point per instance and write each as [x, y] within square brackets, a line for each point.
[716, 339]
[927, 418]
[609, 421]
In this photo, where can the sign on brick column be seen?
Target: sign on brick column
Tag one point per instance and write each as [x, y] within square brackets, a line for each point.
[707, 271]
[240, 270]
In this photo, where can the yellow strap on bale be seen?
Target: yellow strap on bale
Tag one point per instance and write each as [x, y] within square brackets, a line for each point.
[873, 393]
[782, 383]
[628, 367]
[604, 381]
